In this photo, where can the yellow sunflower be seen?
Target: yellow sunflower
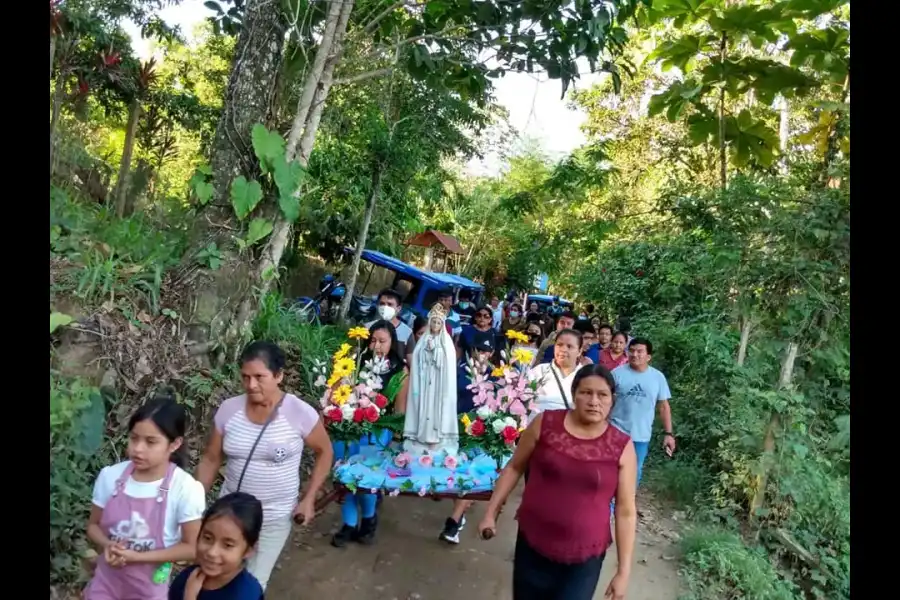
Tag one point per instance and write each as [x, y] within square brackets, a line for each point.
[358, 333]
[498, 372]
[522, 356]
[517, 336]
[341, 394]
[344, 350]
[343, 367]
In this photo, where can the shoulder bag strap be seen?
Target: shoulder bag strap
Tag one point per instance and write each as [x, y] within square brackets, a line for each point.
[256, 443]
[560, 385]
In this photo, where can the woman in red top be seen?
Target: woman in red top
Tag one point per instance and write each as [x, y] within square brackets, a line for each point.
[614, 355]
[577, 463]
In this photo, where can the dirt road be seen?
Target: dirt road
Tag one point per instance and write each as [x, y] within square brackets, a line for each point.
[408, 562]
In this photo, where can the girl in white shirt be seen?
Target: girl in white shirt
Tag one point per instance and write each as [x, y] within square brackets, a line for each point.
[555, 378]
[146, 511]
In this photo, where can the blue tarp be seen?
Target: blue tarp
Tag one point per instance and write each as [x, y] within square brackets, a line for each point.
[373, 468]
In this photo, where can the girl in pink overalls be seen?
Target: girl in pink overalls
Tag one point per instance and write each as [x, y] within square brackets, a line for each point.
[146, 511]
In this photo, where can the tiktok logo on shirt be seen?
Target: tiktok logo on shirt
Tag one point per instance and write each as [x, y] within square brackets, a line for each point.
[133, 533]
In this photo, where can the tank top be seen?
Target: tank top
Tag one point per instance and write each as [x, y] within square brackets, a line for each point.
[565, 510]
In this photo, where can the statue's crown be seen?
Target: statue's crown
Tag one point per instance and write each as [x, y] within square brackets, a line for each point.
[438, 310]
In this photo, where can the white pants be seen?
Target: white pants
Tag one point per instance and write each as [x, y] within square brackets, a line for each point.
[272, 537]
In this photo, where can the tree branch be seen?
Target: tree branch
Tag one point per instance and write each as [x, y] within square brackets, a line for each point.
[378, 18]
[363, 76]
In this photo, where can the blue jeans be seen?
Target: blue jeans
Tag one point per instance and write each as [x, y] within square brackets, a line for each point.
[359, 503]
[641, 449]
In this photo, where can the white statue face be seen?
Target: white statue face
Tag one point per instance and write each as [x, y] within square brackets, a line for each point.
[434, 325]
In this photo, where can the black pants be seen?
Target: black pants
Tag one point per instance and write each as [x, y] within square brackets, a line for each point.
[536, 577]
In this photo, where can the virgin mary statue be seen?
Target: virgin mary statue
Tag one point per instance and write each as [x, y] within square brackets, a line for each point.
[430, 424]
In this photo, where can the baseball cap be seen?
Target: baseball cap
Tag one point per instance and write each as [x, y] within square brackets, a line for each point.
[484, 341]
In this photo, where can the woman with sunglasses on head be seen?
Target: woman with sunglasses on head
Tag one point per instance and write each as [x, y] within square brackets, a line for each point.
[482, 323]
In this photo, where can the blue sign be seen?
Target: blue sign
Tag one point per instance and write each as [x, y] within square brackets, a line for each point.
[541, 282]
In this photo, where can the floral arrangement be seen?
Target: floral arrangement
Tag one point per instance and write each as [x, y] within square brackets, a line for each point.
[351, 402]
[503, 401]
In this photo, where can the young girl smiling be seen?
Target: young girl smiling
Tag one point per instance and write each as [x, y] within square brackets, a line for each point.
[228, 534]
[146, 511]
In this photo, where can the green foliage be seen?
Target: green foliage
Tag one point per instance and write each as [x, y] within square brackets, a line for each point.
[718, 564]
[77, 452]
[245, 196]
[58, 320]
[303, 342]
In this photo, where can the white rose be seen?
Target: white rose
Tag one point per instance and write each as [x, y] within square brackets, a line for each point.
[499, 425]
[484, 412]
[509, 422]
[347, 412]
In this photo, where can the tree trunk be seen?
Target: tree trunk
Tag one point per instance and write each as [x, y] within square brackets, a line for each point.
[299, 145]
[58, 91]
[216, 296]
[52, 53]
[361, 242]
[746, 326]
[784, 382]
[120, 194]
[723, 153]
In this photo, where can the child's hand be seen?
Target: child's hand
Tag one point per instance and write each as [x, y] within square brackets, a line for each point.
[111, 555]
[194, 584]
[125, 556]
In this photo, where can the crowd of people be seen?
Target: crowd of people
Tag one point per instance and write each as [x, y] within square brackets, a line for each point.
[581, 455]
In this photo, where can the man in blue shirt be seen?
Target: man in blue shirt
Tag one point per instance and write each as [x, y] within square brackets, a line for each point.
[639, 390]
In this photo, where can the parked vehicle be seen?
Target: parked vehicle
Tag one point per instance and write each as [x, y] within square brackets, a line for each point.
[545, 302]
[419, 288]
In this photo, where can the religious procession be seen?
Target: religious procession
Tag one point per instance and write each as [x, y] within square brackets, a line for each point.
[460, 406]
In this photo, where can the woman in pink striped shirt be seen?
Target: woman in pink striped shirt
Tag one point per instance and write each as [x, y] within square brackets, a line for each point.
[260, 436]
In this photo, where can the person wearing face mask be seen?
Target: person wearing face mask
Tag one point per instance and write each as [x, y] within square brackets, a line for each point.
[389, 302]
[464, 308]
[482, 348]
[515, 321]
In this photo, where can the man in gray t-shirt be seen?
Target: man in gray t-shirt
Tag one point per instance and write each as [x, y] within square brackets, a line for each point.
[639, 390]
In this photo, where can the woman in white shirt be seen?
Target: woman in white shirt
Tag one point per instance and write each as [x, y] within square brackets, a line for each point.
[555, 378]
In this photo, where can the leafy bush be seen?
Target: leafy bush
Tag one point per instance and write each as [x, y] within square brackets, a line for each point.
[718, 565]
[302, 342]
[77, 453]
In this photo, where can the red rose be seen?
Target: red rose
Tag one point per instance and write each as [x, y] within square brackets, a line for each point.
[358, 415]
[478, 428]
[381, 400]
[333, 414]
[640, 273]
[510, 434]
[370, 413]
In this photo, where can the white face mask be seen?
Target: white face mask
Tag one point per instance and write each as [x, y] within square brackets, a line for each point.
[387, 312]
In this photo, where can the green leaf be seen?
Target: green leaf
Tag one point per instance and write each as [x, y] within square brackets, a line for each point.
[259, 229]
[90, 426]
[288, 178]
[267, 145]
[204, 191]
[58, 320]
[245, 195]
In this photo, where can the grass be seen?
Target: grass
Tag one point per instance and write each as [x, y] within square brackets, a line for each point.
[718, 565]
